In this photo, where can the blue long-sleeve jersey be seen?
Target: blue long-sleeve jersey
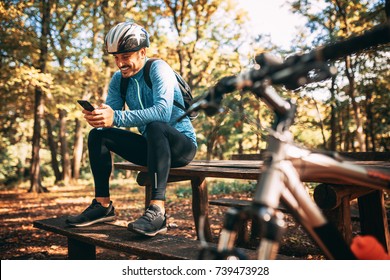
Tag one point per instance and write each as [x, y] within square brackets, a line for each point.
[147, 105]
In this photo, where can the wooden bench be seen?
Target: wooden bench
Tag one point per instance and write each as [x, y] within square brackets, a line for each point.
[250, 169]
[197, 172]
[82, 242]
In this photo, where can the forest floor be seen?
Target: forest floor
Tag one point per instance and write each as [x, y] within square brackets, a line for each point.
[19, 208]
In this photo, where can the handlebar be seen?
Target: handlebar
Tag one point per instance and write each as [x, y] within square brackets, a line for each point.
[293, 72]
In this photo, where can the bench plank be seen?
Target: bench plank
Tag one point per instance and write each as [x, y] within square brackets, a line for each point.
[118, 238]
[362, 156]
[199, 170]
[243, 170]
[239, 203]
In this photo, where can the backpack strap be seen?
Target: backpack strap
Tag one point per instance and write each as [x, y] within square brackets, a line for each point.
[125, 81]
[148, 64]
[148, 81]
[123, 89]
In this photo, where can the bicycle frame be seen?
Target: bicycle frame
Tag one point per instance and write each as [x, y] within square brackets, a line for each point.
[285, 166]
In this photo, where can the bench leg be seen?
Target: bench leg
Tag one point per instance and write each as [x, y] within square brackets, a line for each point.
[78, 250]
[373, 217]
[200, 206]
[341, 218]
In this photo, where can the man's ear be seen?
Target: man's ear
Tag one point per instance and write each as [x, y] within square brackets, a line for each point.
[143, 52]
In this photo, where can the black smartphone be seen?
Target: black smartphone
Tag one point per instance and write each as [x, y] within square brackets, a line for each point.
[86, 105]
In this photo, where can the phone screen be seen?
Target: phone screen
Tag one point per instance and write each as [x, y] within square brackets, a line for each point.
[86, 105]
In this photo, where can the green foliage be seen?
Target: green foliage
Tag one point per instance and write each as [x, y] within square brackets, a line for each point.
[348, 112]
[233, 187]
[219, 187]
[183, 192]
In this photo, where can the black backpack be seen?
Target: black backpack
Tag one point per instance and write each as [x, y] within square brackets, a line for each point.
[184, 88]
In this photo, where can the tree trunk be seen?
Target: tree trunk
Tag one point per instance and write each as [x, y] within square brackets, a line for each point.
[210, 145]
[240, 125]
[35, 175]
[106, 61]
[333, 117]
[356, 111]
[66, 167]
[370, 134]
[343, 128]
[321, 124]
[53, 150]
[258, 135]
[351, 79]
[77, 150]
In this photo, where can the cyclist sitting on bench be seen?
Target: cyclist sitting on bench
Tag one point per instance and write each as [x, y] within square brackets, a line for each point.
[163, 142]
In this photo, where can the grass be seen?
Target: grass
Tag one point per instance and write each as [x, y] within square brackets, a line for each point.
[217, 187]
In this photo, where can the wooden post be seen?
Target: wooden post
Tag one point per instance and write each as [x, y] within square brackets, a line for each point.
[200, 206]
[340, 216]
[78, 250]
[373, 217]
[334, 200]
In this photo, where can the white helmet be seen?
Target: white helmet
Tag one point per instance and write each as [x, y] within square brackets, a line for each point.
[126, 37]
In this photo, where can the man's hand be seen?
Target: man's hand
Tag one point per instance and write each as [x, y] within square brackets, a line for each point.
[102, 116]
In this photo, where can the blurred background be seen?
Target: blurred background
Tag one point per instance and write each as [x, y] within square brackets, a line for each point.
[51, 54]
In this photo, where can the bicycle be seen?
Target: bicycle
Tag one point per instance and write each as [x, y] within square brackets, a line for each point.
[285, 163]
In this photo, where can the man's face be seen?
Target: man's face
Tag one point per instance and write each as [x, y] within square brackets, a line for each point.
[130, 63]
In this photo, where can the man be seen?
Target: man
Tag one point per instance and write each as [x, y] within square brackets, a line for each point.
[162, 143]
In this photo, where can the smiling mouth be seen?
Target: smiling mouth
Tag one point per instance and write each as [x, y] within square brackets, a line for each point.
[126, 68]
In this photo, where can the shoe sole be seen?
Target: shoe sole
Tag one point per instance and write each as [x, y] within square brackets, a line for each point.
[101, 220]
[151, 234]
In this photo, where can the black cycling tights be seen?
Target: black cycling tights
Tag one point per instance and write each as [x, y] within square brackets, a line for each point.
[164, 147]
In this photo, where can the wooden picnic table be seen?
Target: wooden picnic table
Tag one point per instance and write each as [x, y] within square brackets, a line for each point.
[198, 170]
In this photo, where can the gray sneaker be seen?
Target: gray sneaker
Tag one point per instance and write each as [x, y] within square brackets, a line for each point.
[95, 213]
[151, 223]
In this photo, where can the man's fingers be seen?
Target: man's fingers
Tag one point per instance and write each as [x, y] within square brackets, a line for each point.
[94, 117]
[96, 123]
[100, 117]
